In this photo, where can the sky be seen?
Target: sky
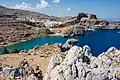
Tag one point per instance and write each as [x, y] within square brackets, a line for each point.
[104, 9]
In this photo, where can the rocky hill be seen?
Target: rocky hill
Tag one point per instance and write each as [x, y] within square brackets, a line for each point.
[22, 14]
[19, 25]
[83, 22]
[86, 20]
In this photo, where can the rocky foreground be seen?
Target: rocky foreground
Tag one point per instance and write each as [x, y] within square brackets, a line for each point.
[49, 63]
[27, 66]
[79, 64]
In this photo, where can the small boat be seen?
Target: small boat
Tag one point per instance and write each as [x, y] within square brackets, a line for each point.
[118, 32]
[91, 29]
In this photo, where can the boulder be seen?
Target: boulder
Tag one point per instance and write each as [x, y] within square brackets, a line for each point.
[16, 74]
[23, 70]
[7, 70]
[65, 47]
[32, 77]
[71, 41]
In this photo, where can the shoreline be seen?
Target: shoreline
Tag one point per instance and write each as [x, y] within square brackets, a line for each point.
[1, 46]
[52, 35]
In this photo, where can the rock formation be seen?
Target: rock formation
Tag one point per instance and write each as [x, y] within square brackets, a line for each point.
[69, 43]
[87, 19]
[24, 71]
[79, 64]
[21, 65]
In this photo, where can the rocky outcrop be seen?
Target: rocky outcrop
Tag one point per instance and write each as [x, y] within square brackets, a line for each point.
[85, 15]
[84, 22]
[69, 43]
[89, 20]
[72, 41]
[79, 64]
[24, 71]
[36, 58]
[75, 31]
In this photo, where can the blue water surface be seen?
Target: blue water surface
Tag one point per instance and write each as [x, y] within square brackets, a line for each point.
[99, 41]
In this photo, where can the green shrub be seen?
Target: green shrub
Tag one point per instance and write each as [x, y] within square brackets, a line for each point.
[49, 31]
[44, 32]
[15, 51]
[5, 51]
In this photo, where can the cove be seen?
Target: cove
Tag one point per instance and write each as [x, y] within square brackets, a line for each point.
[99, 41]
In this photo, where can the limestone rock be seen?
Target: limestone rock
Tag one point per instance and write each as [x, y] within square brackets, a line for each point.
[32, 77]
[79, 64]
[23, 70]
[72, 41]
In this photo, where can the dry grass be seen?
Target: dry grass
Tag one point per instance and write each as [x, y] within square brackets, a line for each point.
[37, 57]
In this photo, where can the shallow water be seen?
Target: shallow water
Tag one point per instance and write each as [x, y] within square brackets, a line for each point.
[99, 41]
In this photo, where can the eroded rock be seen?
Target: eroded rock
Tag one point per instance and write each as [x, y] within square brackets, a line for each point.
[79, 64]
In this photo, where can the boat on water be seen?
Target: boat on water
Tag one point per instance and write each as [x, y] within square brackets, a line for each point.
[118, 32]
[90, 29]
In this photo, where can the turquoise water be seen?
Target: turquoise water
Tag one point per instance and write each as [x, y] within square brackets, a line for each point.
[99, 41]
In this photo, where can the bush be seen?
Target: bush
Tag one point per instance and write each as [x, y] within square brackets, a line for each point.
[15, 51]
[5, 51]
[48, 31]
[44, 32]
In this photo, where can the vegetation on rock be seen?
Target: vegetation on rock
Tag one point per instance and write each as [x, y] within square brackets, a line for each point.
[15, 50]
[5, 51]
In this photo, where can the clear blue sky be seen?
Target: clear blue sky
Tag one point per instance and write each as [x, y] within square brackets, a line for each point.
[105, 9]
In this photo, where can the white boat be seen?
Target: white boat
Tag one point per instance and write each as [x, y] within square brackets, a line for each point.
[118, 32]
[91, 29]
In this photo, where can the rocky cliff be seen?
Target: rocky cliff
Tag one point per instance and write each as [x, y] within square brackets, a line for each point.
[79, 64]
[86, 20]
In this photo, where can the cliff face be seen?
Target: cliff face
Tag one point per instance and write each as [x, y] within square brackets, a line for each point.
[79, 64]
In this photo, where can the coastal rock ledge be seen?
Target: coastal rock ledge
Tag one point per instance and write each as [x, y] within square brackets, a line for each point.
[79, 64]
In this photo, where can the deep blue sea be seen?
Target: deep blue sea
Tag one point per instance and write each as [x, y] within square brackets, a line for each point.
[99, 41]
